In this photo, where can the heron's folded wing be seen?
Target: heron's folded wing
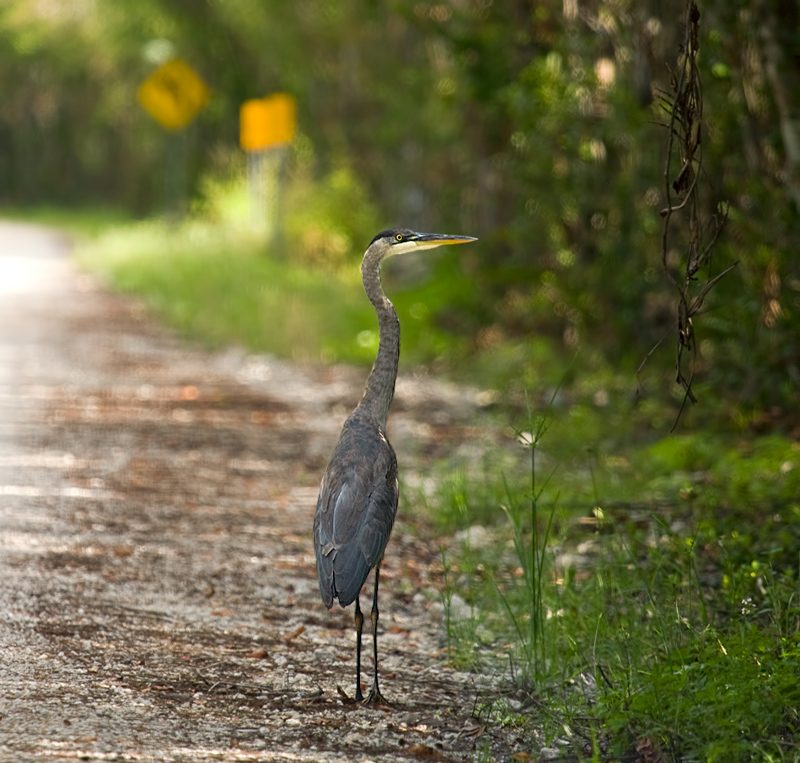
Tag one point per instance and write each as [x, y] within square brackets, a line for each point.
[355, 514]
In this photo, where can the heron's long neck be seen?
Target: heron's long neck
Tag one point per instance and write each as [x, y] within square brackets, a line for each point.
[380, 385]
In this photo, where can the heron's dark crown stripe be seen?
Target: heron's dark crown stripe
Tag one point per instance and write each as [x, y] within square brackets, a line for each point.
[391, 233]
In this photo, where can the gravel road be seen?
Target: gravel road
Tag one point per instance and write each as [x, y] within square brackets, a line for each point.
[158, 597]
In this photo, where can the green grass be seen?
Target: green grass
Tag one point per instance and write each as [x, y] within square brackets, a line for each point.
[220, 286]
[669, 630]
[81, 222]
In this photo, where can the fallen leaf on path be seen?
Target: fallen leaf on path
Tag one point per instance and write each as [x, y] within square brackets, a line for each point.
[294, 634]
[190, 393]
[343, 695]
[425, 752]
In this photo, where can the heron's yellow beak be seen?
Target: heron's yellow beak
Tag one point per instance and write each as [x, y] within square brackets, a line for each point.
[430, 240]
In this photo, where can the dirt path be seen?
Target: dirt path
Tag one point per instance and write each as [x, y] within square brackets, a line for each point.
[158, 597]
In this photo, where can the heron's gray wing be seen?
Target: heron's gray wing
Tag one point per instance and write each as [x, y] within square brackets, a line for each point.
[355, 511]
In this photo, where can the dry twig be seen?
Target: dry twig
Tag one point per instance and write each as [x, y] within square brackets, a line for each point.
[684, 106]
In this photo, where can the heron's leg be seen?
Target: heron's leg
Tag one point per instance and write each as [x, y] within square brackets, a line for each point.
[359, 626]
[375, 697]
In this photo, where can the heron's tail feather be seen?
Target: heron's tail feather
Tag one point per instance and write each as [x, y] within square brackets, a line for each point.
[350, 570]
[341, 575]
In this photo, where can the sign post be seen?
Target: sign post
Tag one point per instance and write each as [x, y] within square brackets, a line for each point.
[174, 94]
[267, 126]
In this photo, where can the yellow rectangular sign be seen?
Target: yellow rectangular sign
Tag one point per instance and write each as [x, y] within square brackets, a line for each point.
[265, 122]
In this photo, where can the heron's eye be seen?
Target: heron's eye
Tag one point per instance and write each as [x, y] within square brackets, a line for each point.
[399, 237]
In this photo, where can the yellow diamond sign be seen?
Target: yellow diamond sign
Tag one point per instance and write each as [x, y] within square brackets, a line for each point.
[173, 94]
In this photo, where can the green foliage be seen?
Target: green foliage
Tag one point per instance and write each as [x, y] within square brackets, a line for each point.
[530, 545]
[331, 220]
[674, 630]
[762, 473]
[469, 494]
[719, 697]
[224, 200]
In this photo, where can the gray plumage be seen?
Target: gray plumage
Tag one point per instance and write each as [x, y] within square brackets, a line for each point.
[356, 509]
[358, 497]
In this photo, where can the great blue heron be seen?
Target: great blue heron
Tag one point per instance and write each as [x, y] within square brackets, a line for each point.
[358, 496]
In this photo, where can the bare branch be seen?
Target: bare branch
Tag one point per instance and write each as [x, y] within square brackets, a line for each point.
[682, 215]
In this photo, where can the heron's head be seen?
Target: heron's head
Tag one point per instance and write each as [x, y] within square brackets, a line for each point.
[401, 240]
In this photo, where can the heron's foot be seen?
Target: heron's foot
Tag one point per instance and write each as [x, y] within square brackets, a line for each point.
[375, 698]
[359, 694]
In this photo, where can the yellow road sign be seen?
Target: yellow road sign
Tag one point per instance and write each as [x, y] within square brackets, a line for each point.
[173, 94]
[265, 122]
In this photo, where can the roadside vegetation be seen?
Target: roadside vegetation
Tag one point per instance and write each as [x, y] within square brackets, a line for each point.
[651, 613]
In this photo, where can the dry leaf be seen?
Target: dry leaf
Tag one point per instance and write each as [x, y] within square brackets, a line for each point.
[425, 752]
[343, 694]
[649, 751]
[295, 633]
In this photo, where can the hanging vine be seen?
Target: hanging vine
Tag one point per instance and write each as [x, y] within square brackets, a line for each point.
[683, 216]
